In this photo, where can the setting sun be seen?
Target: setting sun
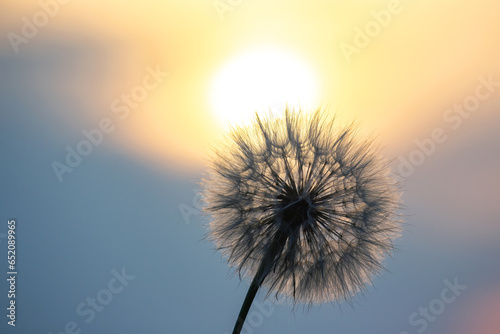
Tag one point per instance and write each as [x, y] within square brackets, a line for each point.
[261, 81]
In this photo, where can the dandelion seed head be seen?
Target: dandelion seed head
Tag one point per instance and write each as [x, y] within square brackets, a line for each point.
[323, 195]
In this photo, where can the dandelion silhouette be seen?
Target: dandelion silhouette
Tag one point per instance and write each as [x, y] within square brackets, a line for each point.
[301, 207]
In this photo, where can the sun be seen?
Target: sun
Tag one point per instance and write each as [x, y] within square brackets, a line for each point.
[261, 80]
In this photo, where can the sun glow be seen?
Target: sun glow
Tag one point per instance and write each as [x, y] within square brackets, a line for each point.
[264, 80]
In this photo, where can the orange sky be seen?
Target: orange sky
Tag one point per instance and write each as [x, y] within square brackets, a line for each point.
[428, 56]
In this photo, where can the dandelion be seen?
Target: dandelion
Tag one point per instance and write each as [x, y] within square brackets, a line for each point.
[301, 207]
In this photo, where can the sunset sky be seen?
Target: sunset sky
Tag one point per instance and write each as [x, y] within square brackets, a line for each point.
[167, 78]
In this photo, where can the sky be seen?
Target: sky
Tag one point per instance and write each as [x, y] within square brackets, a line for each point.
[112, 240]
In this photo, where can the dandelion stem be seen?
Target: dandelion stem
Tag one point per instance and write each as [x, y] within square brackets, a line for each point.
[252, 291]
[274, 250]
